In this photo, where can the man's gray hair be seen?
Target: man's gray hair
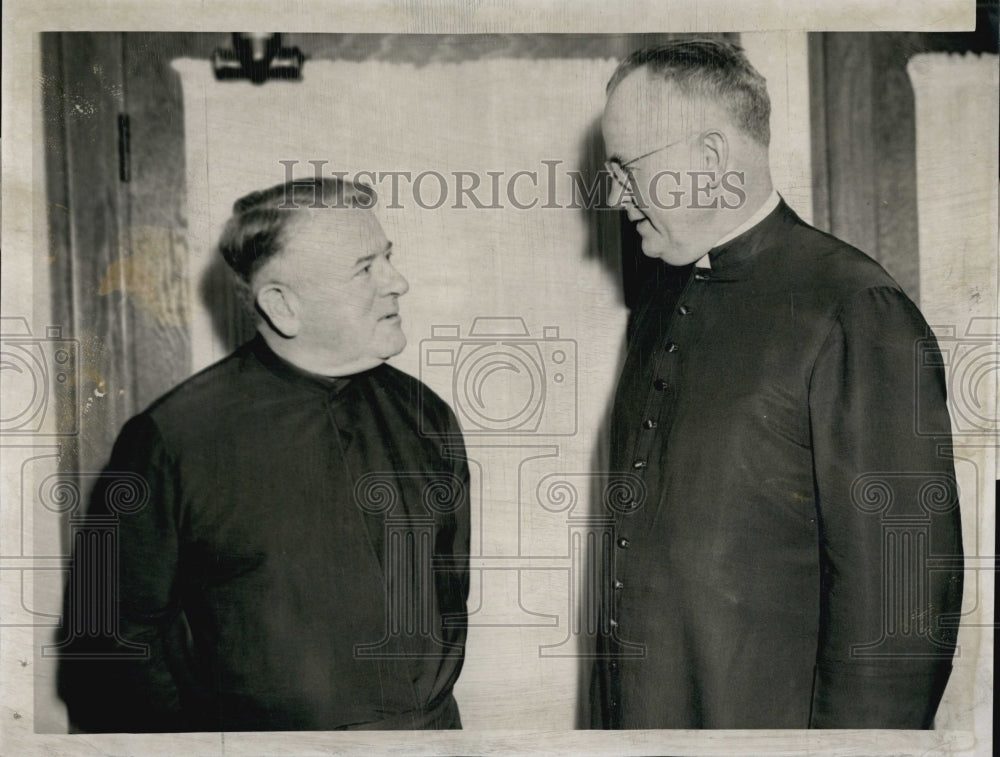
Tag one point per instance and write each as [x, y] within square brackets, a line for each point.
[710, 69]
[261, 222]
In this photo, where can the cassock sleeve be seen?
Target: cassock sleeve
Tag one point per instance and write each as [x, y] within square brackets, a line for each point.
[122, 618]
[887, 511]
[459, 547]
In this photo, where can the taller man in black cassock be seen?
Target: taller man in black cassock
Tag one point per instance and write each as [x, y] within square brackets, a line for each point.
[294, 552]
[780, 570]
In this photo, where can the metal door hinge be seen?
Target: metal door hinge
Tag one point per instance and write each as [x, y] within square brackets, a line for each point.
[124, 148]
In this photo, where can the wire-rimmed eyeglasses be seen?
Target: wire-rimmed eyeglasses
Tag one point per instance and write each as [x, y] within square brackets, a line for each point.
[621, 170]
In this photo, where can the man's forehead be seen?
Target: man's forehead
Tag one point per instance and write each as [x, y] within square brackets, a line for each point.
[641, 95]
[342, 233]
[349, 223]
[643, 106]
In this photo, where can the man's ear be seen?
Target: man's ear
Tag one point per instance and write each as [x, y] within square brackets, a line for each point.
[276, 304]
[715, 156]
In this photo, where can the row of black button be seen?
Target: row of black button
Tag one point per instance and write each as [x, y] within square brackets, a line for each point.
[660, 385]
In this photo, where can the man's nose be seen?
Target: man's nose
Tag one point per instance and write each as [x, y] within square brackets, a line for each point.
[616, 194]
[394, 283]
[621, 196]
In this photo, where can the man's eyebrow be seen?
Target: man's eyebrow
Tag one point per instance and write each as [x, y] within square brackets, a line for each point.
[369, 258]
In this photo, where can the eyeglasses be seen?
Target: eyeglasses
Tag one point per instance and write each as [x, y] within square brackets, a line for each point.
[620, 169]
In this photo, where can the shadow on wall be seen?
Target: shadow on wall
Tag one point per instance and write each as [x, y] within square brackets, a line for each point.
[613, 243]
[231, 322]
[604, 242]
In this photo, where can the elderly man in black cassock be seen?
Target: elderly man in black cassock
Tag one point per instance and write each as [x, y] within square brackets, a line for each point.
[793, 563]
[298, 559]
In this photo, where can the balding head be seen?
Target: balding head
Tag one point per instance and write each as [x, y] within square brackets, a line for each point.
[716, 73]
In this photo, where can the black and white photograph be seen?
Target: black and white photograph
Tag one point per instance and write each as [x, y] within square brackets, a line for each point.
[499, 378]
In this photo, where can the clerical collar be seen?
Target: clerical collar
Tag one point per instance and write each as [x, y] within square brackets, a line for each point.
[762, 212]
[292, 373]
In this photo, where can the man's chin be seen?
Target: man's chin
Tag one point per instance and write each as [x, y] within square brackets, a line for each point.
[657, 247]
[393, 347]
[653, 247]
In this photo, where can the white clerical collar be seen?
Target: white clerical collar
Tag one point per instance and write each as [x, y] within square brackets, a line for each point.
[762, 212]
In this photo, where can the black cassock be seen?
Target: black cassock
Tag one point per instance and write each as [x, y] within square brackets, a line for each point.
[792, 558]
[300, 560]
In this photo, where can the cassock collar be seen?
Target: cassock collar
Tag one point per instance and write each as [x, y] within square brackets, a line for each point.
[296, 376]
[762, 212]
[733, 259]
